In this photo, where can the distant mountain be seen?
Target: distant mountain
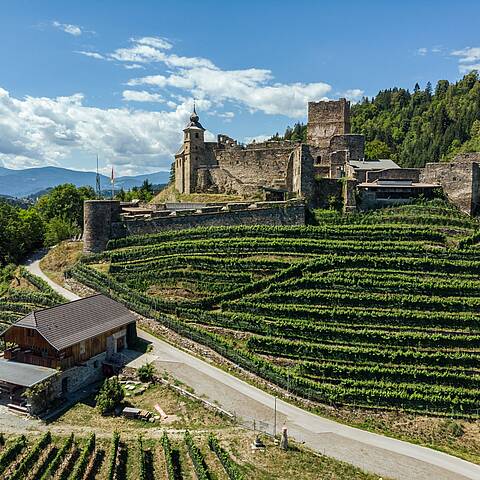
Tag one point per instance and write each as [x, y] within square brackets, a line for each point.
[31, 181]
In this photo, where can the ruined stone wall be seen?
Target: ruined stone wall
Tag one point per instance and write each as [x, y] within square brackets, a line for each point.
[355, 144]
[264, 166]
[326, 119]
[303, 173]
[328, 193]
[459, 180]
[281, 214]
[390, 174]
[468, 157]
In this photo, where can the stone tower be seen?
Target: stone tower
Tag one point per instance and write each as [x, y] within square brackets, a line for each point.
[190, 156]
[327, 119]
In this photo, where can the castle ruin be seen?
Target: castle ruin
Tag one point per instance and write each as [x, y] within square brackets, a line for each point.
[291, 175]
[281, 167]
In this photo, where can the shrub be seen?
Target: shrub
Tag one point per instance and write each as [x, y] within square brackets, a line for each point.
[110, 395]
[146, 372]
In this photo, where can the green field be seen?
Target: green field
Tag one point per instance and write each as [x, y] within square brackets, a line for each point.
[377, 310]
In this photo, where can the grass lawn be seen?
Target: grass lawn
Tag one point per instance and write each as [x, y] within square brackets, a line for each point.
[183, 412]
[59, 259]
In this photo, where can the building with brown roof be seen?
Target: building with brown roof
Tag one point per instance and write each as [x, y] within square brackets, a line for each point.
[72, 344]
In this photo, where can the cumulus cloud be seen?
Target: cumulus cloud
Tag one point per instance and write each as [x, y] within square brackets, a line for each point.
[74, 30]
[40, 130]
[253, 88]
[468, 59]
[141, 96]
[249, 87]
[422, 51]
[354, 94]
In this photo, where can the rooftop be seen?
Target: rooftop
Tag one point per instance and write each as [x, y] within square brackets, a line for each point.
[23, 374]
[373, 164]
[70, 323]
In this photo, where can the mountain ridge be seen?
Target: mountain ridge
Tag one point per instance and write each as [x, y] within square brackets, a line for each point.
[29, 181]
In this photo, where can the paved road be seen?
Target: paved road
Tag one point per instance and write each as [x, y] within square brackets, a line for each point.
[33, 266]
[375, 453]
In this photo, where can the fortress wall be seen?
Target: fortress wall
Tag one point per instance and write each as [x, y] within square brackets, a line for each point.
[303, 174]
[282, 214]
[460, 181]
[355, 144]
[258, 166]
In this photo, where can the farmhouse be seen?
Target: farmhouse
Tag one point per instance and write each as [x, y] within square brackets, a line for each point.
[67, 347]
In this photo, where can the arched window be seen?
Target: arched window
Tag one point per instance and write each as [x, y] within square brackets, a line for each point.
[196, 135]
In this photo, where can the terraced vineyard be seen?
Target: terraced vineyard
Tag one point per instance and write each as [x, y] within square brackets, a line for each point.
[378, 310]
[29, 293]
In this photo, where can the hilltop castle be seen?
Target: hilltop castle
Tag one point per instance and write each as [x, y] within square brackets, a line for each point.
[283, 168]
[288, 175]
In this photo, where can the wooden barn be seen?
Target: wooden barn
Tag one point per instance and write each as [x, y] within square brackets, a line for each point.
[83, 333]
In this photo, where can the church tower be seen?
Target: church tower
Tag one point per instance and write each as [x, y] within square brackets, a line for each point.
[190, 156]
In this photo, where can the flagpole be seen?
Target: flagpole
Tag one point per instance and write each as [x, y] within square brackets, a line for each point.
[113, 183]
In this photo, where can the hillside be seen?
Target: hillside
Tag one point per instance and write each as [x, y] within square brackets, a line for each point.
[31, 181]
[375, 310]
[413, 128]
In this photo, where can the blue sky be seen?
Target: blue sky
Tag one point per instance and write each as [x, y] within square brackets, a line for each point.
[117, 78]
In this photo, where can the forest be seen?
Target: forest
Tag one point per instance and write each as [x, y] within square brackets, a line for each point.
[413, 128]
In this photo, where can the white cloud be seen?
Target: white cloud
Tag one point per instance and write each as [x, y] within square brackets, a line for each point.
[156, 42]
[74, 30]
[141, 96]
[354, 94]
[467, 55]
[132, 66]
[468, 59]
[468, 68]
[96, 55]
[249, 87]
[39, 130]
[422, 51]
